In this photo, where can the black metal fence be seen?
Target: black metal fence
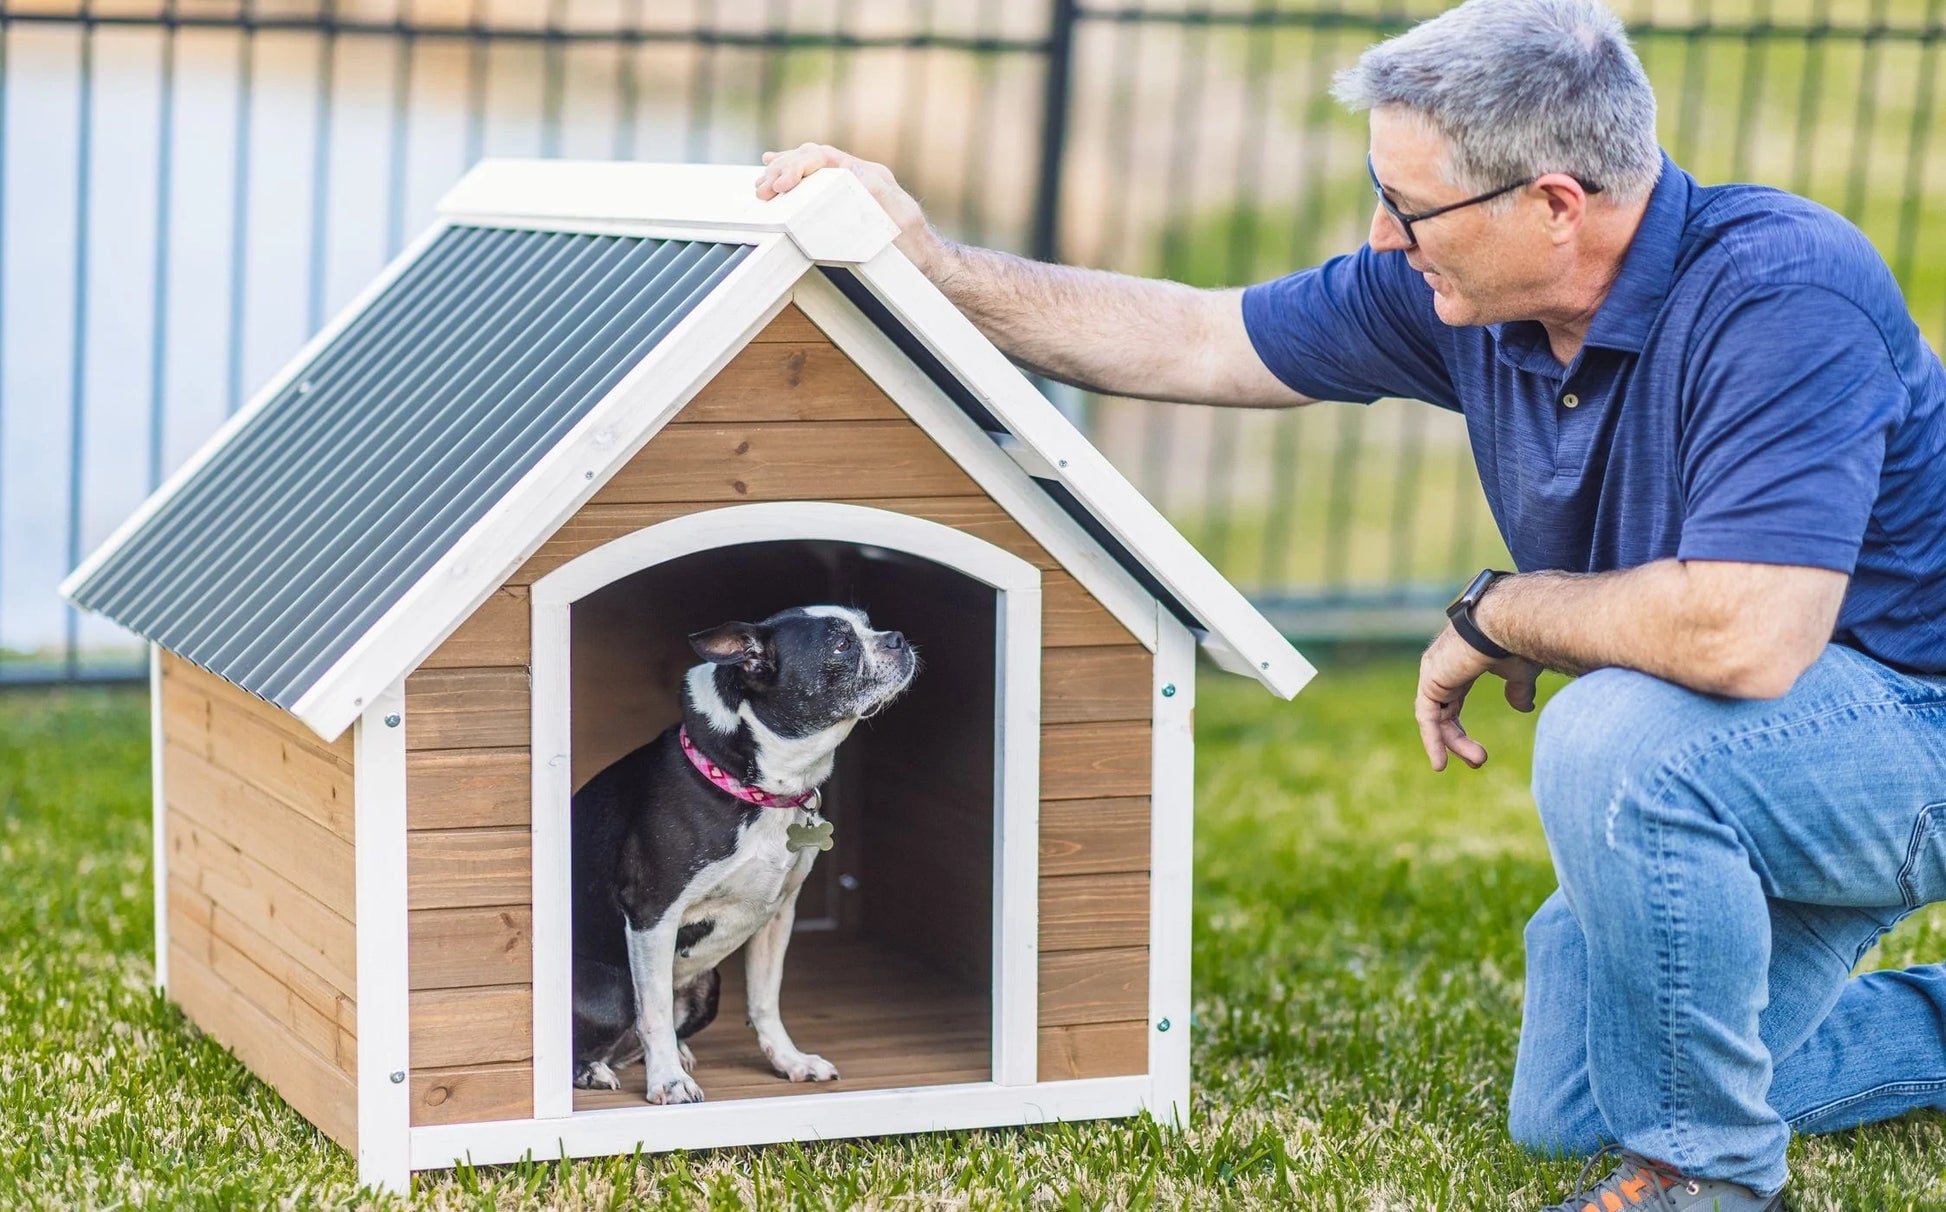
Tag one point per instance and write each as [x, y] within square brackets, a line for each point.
[189, 188]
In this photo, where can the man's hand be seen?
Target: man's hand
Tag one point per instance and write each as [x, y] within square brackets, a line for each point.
[917, 240]
[1447, 671]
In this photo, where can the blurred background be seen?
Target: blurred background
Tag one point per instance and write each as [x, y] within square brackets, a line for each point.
[190, 188]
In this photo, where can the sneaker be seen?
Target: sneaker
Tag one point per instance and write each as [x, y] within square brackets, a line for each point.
[1641, 1183]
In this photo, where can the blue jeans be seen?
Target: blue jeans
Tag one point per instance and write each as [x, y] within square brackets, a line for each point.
[1724, 864]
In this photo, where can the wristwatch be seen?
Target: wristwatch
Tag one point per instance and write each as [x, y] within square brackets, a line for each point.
[1461, 614]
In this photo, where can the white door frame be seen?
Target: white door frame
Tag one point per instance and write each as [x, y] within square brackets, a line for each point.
[1016, 774]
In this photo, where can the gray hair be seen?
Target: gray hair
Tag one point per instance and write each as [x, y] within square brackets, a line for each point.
[1519, 88]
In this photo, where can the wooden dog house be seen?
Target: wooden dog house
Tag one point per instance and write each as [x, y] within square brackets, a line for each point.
[438, 573]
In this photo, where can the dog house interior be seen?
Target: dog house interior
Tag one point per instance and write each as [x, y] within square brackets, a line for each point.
[891, 969]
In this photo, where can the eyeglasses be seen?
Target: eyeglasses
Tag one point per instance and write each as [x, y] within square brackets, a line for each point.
[1406, 221]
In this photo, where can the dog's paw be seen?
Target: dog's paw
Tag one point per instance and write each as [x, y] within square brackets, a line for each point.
[687, 1058]
[803, 1067]
[596, 1076]
[676, 1088]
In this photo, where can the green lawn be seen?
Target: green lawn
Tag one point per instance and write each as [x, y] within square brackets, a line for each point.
[1358, 976]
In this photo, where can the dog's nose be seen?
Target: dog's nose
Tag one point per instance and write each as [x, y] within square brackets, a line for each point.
[893, 640]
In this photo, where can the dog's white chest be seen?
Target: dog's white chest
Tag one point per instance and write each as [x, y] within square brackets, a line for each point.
[738, 894]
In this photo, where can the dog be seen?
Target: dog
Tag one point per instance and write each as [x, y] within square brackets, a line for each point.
[698, 842]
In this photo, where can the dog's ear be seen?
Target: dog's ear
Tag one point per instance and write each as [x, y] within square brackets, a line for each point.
[746, 644]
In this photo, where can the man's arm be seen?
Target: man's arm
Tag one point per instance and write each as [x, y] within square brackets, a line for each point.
[1742, 630]
[1721, 627]
[1104, 331]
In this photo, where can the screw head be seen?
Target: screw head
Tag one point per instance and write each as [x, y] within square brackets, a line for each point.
[1169, 691]
[1163, 1025]
[398, 1075]
[392, 721]
[1060, 462]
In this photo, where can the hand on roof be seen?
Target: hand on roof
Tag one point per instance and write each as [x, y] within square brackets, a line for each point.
[784, 169]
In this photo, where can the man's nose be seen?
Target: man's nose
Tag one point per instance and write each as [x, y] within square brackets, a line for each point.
[1386, 234]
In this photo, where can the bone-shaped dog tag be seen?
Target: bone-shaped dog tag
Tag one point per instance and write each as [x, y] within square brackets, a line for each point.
[801, 837]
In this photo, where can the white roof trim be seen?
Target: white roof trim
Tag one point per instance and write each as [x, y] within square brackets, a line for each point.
[618, 426]
[830, 216]
[1239, 638]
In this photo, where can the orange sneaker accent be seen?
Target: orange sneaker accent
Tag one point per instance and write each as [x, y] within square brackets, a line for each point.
[1612, 1201]
[1633, 1189]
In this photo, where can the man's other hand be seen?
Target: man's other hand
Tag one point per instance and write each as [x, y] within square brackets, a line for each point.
[917, 240]
[1447, 672]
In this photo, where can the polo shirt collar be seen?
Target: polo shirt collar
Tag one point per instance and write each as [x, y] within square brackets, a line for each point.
[1649, 267]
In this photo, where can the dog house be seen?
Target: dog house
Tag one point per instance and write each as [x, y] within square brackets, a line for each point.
[439, 572]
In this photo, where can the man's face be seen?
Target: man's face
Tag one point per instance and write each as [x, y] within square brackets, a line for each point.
[1485, 265]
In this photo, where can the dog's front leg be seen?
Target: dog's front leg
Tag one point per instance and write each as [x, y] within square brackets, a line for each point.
[763, 974]
[651, 962]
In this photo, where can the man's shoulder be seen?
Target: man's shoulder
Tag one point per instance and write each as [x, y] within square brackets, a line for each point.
[1744, 238]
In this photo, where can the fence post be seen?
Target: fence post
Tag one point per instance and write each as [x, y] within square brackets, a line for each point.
[1054, 130]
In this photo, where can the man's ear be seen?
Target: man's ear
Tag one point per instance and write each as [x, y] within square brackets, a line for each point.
[745, 644]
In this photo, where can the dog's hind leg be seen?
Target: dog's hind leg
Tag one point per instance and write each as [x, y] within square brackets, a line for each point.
[764, 978]
[695, 1009]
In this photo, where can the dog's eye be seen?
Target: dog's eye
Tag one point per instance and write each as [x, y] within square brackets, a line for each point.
[844, 645]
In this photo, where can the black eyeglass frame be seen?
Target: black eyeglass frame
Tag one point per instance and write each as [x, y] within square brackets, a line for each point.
[1406, 221]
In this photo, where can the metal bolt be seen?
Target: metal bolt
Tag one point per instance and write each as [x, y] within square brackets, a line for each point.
[1263, 664]
[1163, 1025]
[398, 1075]
[587, 475]
[1061, 463]
[304, 388]
[1169, 691]
[848, 882]
[392, 721]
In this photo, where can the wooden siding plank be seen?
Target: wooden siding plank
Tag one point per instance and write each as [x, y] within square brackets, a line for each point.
[790, 324]
[1072, 617]
[1093, 761]
[455, 948]
[315, 1087]
[292, 769]
[1079, 685]
[1094, 986]
[301, 926]
[789, 381]
[1087, 837]
[472, 1094]
[1094, 1050]
[782, 461]
[468, 788]
[496, 633]
[454, 1028]
[269, 715]
[467, 709]
[454, 868]
[1089, 912]
[291, 844]
[263, 989]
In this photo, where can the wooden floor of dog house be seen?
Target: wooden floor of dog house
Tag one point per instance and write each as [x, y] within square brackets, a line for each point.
[882, 1019]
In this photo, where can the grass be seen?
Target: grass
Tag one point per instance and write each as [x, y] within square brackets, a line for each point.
[1358, 981]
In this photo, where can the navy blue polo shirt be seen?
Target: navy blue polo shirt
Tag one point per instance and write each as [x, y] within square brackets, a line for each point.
[1752, 388]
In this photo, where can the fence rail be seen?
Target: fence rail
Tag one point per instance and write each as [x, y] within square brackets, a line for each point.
[188, 189]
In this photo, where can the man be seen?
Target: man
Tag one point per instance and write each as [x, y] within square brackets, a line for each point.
[1711, 436]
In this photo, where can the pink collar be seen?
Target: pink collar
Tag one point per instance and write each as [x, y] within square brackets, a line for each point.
[749, 795]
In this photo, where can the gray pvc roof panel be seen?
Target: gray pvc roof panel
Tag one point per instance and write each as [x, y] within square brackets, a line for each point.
[322, 510]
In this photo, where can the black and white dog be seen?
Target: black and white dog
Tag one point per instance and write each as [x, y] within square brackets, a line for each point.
[700, 840]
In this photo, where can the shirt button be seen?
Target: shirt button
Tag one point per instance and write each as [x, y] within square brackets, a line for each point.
[1570, 400]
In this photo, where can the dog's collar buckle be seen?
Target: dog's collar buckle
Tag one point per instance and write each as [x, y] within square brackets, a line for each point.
[724, 781]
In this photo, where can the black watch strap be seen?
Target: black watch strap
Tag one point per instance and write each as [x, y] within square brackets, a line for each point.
[1461, 615]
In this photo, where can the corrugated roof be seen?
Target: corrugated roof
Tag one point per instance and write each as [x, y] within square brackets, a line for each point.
[333, 499]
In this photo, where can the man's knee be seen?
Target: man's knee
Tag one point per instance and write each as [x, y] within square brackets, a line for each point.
[1597, 735]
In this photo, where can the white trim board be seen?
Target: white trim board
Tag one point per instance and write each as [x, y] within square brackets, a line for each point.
[158, 820]
[1016, 776]
[618, 426]
[1172, 803]
[830, 216]
[384, 1006]
[762, 1121]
